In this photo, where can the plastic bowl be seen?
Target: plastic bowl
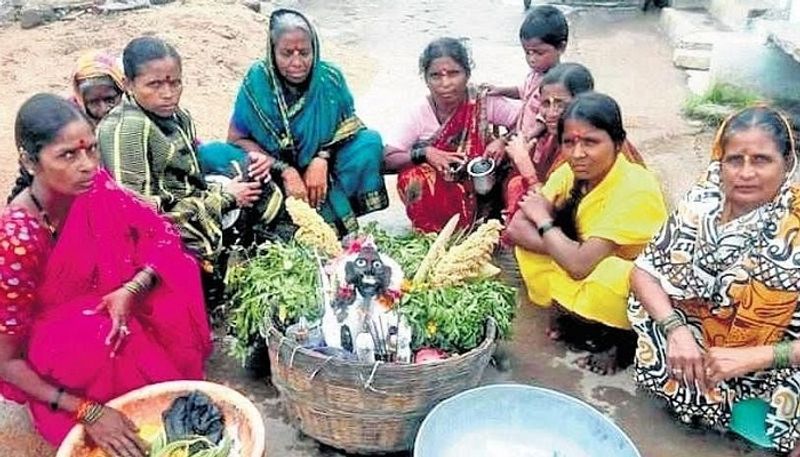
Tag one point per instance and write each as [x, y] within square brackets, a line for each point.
[522, 421]
[243, 422]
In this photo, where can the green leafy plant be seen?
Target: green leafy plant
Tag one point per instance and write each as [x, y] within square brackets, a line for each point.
[278, 283]
[719, 101]
[454, 318]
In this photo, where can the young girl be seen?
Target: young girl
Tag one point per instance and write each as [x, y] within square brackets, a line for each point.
[532, 167]
[543, 36]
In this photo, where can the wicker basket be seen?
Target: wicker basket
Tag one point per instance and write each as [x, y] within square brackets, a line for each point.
[362, 408]
[142, 406]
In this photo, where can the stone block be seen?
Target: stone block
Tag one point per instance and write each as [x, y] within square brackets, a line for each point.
[33, 17]
[692, 59]
[737, 14]
[689, 4]
[254, 5]
[698, 81]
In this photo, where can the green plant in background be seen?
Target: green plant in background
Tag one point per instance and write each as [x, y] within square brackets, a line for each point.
[279, 282]
[718, 102]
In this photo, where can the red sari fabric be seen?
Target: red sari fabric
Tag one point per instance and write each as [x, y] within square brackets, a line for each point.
[546, 157]
[107, 237]
[431, 200]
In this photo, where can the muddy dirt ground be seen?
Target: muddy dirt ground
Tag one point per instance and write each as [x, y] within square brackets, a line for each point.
[377, 43]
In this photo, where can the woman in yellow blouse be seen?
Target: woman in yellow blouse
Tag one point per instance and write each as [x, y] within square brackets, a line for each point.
[577, 237]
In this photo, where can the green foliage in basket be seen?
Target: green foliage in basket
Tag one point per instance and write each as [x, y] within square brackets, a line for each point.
[454, 318]
[407, 249]
[278, 282]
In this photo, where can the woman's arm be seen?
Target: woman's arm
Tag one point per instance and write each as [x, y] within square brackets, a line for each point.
[650, 293]
[243, 141]
[522, 232]
[395, 160]
[16, 371]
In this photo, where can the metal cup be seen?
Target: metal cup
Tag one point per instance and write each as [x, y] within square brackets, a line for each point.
[481, 170]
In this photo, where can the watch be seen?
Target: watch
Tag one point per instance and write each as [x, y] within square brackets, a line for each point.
[544, 228]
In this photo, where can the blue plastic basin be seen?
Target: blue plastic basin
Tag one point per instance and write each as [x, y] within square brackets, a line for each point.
[506, 420]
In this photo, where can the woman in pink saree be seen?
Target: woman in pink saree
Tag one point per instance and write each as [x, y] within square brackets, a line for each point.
[97, 296]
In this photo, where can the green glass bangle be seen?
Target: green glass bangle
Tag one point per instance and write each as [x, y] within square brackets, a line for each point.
[782, 355]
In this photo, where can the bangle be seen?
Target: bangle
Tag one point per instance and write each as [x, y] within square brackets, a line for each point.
[542, 229]
[56, 399]
[671, 322]
[324, 154]
[782, 355]
[418, 155]
[89, 412]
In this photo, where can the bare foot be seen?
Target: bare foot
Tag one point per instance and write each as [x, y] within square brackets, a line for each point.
[602, 363]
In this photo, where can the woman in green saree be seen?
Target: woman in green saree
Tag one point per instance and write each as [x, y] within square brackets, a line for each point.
[296, 113]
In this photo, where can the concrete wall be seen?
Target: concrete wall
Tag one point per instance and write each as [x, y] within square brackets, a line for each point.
[794, 13]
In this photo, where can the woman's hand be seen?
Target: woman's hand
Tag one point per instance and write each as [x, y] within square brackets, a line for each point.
[441, 160]
[316, 181]
[118, 304]
[294, 184]
[496, 150]
[245, 193]
[260, 163]
[519, 150]
[536, 208]
[685, 358]
[117, 435]
[722, 364]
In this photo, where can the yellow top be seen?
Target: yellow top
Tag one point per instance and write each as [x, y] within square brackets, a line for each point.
[627, 207]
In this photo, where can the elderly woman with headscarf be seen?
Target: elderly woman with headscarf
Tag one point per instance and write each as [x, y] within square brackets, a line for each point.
[716, 293]
[295, 117]
[97, 84]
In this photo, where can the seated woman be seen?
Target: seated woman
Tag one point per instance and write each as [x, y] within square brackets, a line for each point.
[98, 84]
[295, 115]
[449, 127]
[534, 162]
[577, 237]
[715, 294]
[148, 144]
[98, 296]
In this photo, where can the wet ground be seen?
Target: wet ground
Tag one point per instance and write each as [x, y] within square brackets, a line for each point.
[377, 43]
[631, 62]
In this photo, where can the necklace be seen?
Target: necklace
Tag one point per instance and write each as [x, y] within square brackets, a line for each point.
[50, 226]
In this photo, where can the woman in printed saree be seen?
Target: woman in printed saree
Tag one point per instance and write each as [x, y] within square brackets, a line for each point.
[97, 84]
[294, 113]
[97, 295]
[148, 144]
[715, 294]
[449, 128]
[577, 237]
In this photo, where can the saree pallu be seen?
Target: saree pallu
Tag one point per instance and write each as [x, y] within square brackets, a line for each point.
[157, 158]
[107, 237]
[736, 285]
[429, 198]
[322, 117]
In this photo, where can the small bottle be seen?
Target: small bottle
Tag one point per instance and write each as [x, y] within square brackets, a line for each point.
[403, 349]
[365, 348]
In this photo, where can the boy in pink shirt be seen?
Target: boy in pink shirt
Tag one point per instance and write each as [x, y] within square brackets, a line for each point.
[543, 36]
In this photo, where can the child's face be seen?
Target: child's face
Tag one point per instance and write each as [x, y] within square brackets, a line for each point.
[541, 56]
